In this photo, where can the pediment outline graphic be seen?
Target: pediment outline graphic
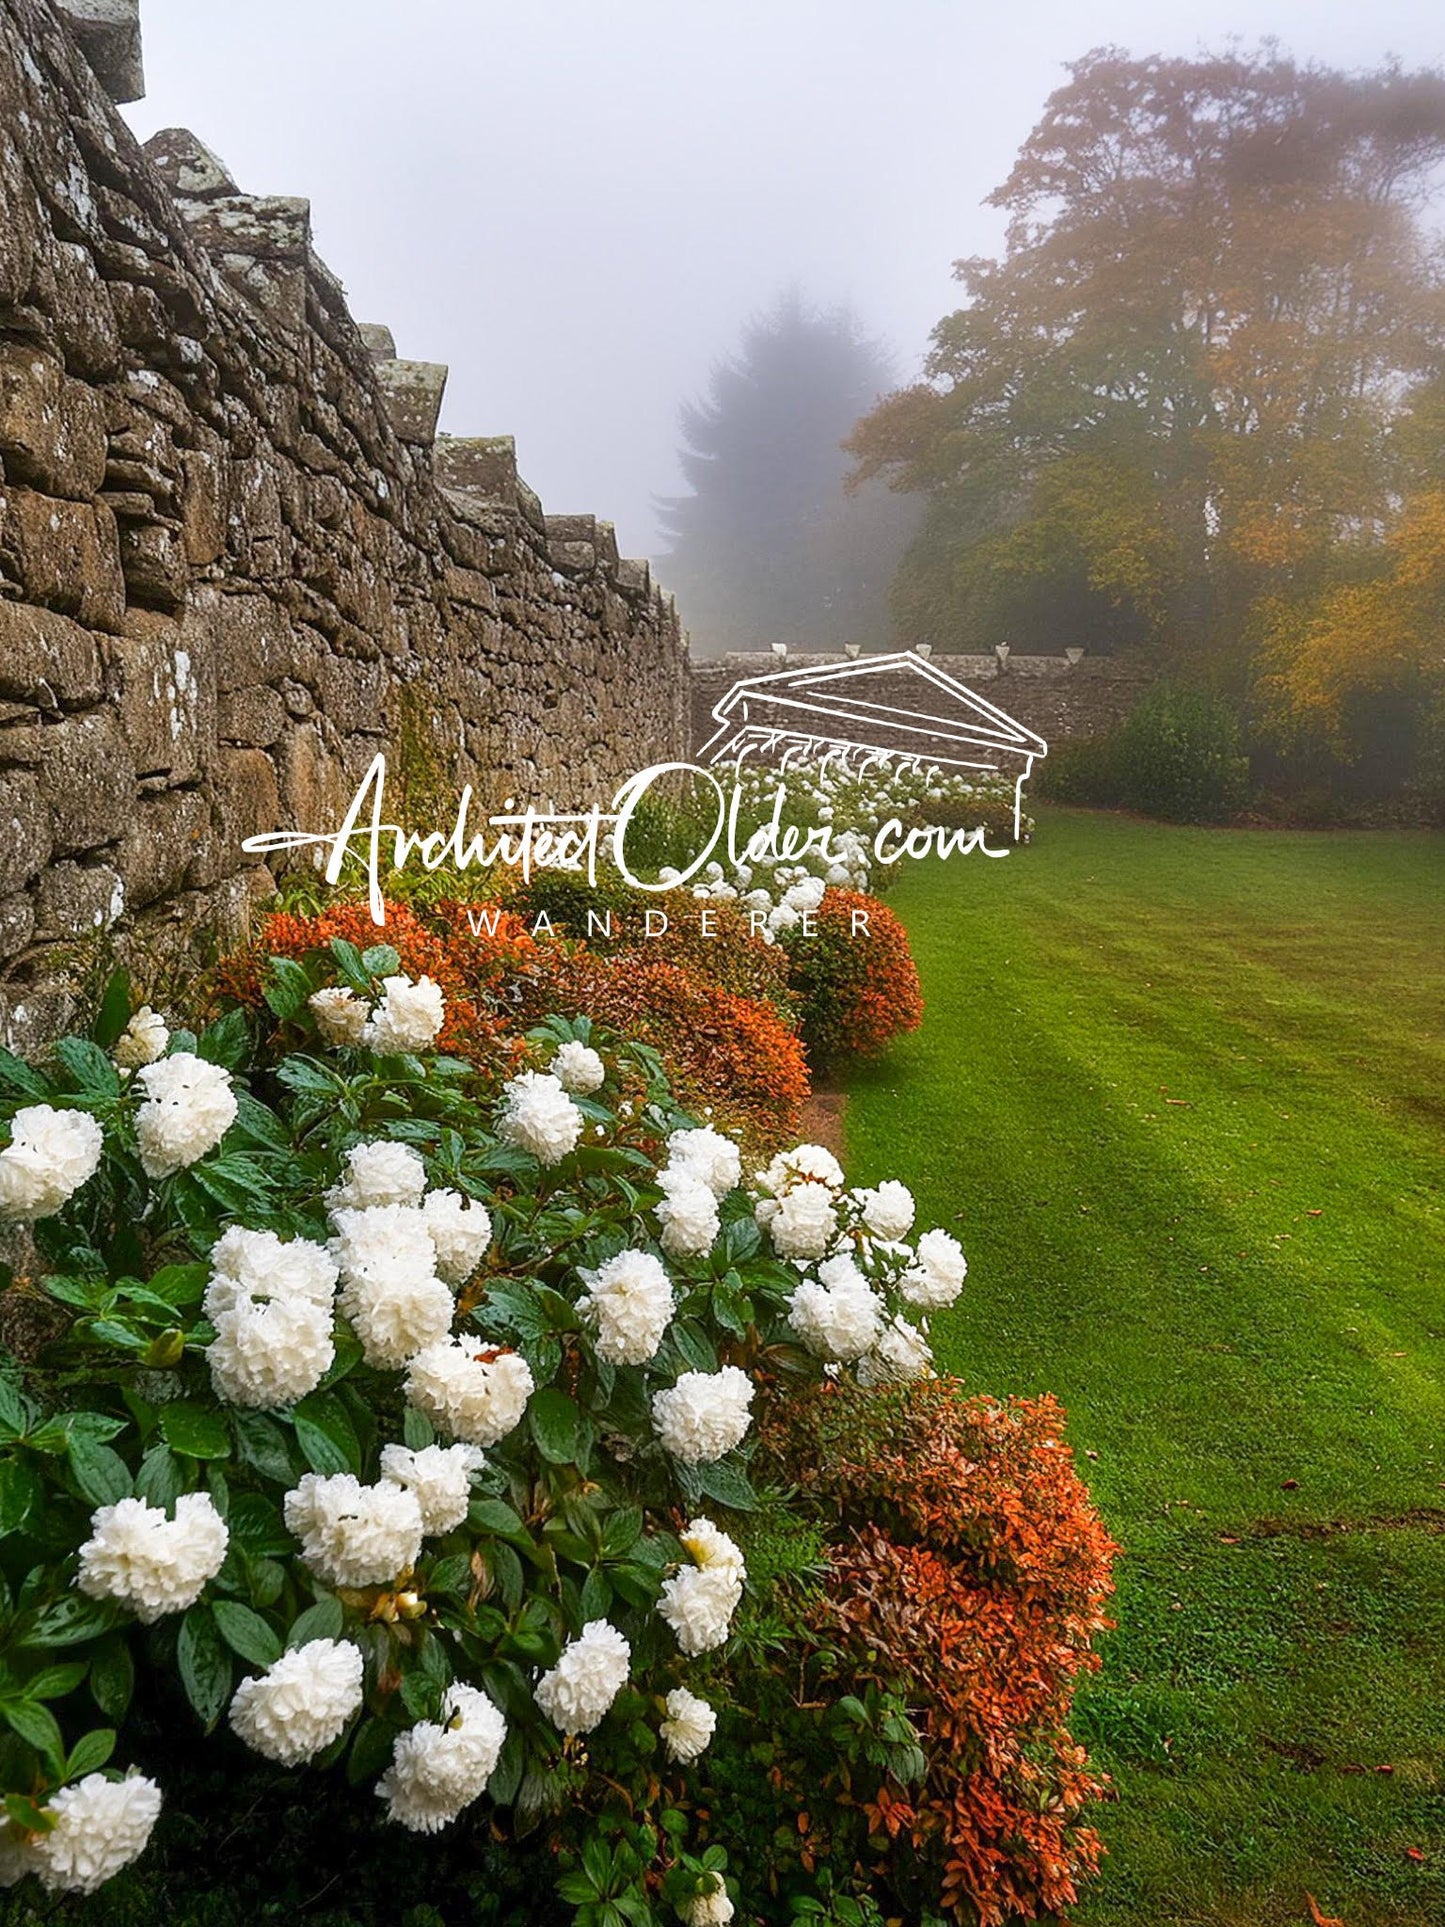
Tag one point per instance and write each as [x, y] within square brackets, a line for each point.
[827, 711]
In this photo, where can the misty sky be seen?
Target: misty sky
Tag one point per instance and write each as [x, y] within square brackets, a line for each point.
[577, 205]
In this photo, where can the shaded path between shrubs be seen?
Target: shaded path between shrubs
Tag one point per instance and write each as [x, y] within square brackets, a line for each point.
[1182, 1094]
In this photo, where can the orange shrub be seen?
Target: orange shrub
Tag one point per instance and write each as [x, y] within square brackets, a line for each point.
[855, 993]
[969, 1577]
[726, 1054]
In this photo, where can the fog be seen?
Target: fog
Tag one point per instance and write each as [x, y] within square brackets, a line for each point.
[579, 206]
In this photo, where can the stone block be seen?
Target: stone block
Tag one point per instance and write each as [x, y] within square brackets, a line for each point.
[85, 323]
[52, 428]
[86, 774]
[165, 836]
[47, 659]
[203, 500]
[109, 35]
[378, 341]
[17, 925]
[154, 563]
[166, 700]
[251, 718]
[65, 555]
[75, 900]
[247, 804]
[352, 695]
[254, 227]
[252, 640]
[634, 578]
[412, 392]
[188, 167]
[24, 830]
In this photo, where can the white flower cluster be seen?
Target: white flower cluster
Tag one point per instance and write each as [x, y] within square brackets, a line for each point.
[698, 1601]
[856, 1270]
[592, 1670]
[704, 1415]
[50, 1155]
[406, 1017]
[353, 1534]
[852, 803]
[539, 1117]
[629, 1305]
[689, 1726]
[711, 1909]
[439, 1767]
[151, 1563]
[301, 1703]
[271, 1306]
[440, 1478]
[143, 1040]
[702, 1167]
[99, 1826]
[578, 1068]
[189, 1107]
[476, 1393]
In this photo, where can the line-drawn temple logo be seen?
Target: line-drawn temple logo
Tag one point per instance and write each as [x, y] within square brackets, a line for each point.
[898, 708]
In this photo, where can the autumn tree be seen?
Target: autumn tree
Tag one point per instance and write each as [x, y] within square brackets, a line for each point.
[1179, 390]
[769, 545]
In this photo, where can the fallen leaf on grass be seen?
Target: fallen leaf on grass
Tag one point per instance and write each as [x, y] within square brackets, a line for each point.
[1319, 1919]
[1414, 1853]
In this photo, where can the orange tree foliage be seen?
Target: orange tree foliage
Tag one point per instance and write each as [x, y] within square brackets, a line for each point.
[1185, 376]
[1363, 639]
[968, 1578]
[854, 994]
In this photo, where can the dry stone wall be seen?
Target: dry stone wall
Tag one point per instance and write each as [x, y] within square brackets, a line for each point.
[235, 559]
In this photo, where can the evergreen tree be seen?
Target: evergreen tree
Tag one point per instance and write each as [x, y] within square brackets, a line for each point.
[770, 546]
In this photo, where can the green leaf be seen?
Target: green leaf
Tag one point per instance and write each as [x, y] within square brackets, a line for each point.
[14, 1412]
[417, 1430]
[19, 1490]
[36, 1725]
[180, 1285]
[370, 1750]
[261, 1444]
[227, 1041]
[19, 1076]
[204, 1664]
[190, 1428]
[28, 1814]
[324, 1620]
[728, 1484]
[159, 1479]
[114, 1012]
[92, 1071]
[100, 1472]
[381, 960]
[54, 1682]
[556, 1426]
[495, 1515]
[596, 1595]
[72, 1620]
[326, 1435]
[287, 988]
[247, 1633]
[112, 1678]
[90, 1753]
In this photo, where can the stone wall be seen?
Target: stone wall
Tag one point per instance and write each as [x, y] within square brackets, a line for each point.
[1059, 700]
[235, 560]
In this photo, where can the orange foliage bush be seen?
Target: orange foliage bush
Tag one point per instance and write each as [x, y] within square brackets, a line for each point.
[855, 994]
[477, 974]
[970, 1578]
[728, 1054]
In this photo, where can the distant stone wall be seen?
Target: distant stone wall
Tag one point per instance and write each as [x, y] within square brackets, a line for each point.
[235, 560]
[1059, 700]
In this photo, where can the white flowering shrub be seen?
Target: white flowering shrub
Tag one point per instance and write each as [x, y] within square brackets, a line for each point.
[853, 800]
[401, 1426]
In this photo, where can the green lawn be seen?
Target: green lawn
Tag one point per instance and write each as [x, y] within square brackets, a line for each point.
[1182, 1094]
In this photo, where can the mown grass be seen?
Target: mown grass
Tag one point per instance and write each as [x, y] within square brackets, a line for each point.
[1182, 1093]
